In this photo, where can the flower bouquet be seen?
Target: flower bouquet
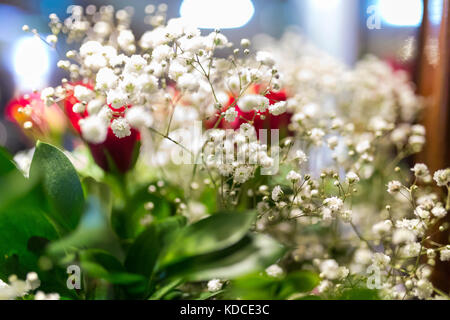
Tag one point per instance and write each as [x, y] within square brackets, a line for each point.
[178, 165]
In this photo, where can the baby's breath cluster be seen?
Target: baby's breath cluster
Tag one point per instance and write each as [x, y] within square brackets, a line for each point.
[315, 147]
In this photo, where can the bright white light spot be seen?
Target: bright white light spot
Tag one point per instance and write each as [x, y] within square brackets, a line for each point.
[217, 14]
[31, 63]
[402, 13]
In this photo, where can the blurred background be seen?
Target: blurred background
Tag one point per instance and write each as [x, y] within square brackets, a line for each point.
[346, 29]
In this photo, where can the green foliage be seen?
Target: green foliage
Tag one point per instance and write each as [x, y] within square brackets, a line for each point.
[263, 287]
[55, 217]
[61, 185]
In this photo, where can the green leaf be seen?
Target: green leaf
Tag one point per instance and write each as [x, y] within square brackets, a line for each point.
[21, 222]
[6, 163]
[298, 282]
[214, 233]
[101, 264]
[251, 254]
[359, 294]
[164, 289]
[263, 287]
[61, 185]
[144, 252]
[94, 230]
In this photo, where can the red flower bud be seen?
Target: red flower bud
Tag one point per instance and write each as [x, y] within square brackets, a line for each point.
[38, 121]
[263, 120]
[112, 154]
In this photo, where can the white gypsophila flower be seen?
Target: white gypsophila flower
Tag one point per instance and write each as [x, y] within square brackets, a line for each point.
[90, 48]
[351, 177]
[423, 289]
[233, 83]
[135, 64]
[126, 40]
[79, 107]
[162, 52]
[422, 213]
[188, 82]
[274, 271]
[32, 281]
[47, 96]
[335, 204]
[418, 129]
[106, 79]
[333, 142]
[394, 186]
[420, 170]
[363, 256]
[253, 102]
[301, 157]
[242, 174]
[277, 193]
[154, 38]
[83, 94]
[95, 105]
[415, 225]
[121, 128]
[139, 117]
[330, 269]
[293, 176]
[231, 114]
[176, 70]
[317, 136]
[346, 215]
[381, 260]
[265, 58]
[147, 83]
[214, 285]
[94, 129]
[382, 227]
[363, 146]
[117, 98]
[439, 211]
[442, 177]
[278, 108]
[444, 255]
[416, 142]
[40, 295]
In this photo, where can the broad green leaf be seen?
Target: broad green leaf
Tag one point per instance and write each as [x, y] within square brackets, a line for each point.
[143, 254]
[21, 224]
[214, 233]
[251, 254]
[61, 185]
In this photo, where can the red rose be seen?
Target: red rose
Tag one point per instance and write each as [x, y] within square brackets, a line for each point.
[263, 120]
[113, 153]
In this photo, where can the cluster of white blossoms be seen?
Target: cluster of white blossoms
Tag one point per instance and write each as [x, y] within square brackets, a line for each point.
[16, 288]
[124, 82]
[332, 188]
[346, 126]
